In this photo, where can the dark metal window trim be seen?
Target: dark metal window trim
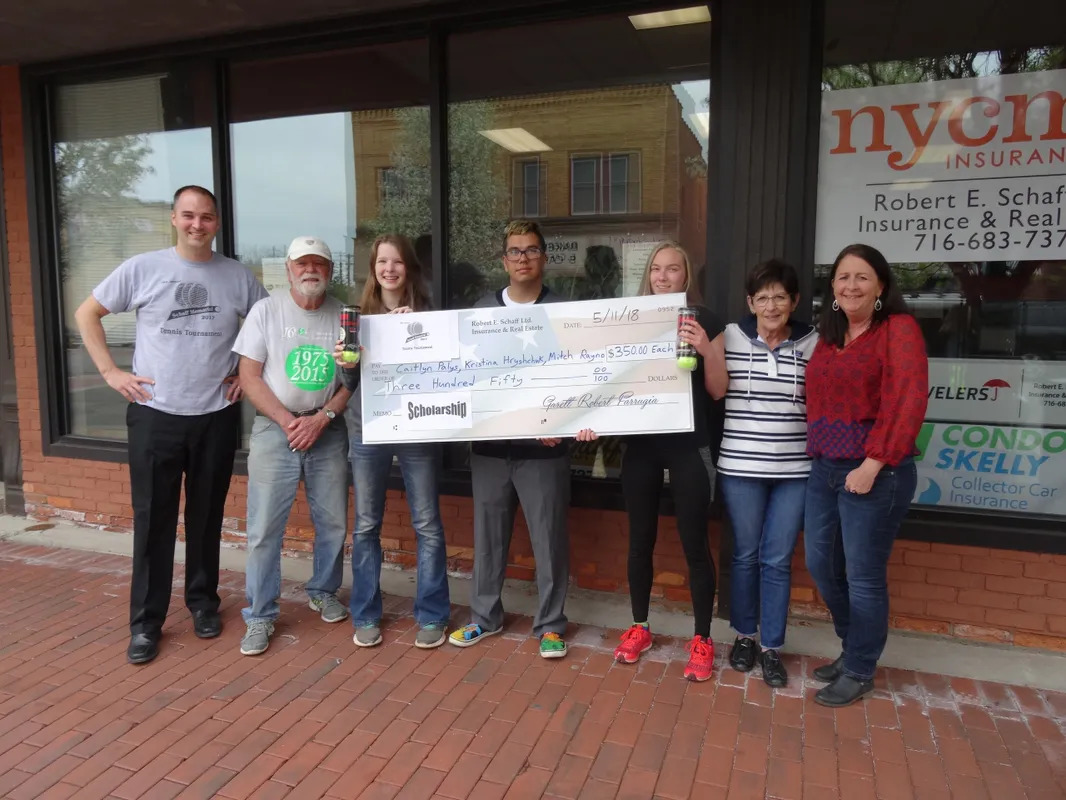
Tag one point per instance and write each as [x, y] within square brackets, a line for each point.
[38, 129]
[436, 23]
[12, 500]
[433, 24]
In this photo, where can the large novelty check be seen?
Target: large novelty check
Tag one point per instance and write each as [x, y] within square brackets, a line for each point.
[544, 370]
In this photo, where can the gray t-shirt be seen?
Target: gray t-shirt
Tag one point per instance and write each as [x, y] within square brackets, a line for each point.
[188, 313]
[295, 347]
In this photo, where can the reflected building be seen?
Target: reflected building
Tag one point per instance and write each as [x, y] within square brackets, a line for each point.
[607, 173]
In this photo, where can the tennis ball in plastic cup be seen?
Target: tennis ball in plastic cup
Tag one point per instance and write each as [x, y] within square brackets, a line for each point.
[687, 362]
[350, 356]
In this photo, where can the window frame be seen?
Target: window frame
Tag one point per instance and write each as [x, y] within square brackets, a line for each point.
[389, 184]
[730, 101]
[603, 184]
[520, 188]
[38, 84]
[39, 104]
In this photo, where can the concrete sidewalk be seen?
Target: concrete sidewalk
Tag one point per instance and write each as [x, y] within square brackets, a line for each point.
[316, 716]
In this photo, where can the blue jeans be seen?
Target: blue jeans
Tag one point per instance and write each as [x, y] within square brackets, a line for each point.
[766, 516]
[371, 464]
[274, 473]
[848, 539]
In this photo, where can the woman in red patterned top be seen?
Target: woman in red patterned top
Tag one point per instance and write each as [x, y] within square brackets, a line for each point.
[867, 386]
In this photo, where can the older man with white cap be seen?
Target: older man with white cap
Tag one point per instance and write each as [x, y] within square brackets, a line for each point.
[287, 372]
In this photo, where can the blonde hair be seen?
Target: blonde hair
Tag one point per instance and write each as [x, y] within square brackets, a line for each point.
[522, 227]
[415, 294]
[692, 289]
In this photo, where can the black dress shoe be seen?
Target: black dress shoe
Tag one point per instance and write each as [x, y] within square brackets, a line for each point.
[742, 656]
[827, 673]
[773, 671]
[143, 648]
[844, 691]
[206, 624]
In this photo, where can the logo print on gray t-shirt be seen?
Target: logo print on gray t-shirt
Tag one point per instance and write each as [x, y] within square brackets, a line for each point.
[193, 298]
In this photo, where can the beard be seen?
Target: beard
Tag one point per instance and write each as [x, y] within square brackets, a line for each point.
[311, 287]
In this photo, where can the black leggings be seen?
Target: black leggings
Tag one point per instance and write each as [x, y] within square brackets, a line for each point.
[690, 485]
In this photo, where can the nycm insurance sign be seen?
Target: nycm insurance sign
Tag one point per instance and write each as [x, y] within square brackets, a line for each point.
[961, 170]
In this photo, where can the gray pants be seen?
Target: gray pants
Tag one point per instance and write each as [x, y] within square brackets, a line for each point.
[543, 488]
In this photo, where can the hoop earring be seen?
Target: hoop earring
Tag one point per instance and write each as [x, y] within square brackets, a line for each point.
[836, 306]
[877, 304]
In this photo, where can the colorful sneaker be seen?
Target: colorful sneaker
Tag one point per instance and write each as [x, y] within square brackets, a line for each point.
[701, 661]
[431, 635]
[552, 646]
[635, 641]
[329, 608]
[470, 634]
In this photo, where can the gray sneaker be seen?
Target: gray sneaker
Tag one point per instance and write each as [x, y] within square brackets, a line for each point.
[331, 609]
[257, 637]
[367, 635]
[431, 635]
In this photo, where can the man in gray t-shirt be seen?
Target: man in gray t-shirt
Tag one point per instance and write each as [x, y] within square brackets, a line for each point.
[288, 373]
[183, 417]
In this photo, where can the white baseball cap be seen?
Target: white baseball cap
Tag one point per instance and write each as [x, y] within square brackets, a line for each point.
[309, 246]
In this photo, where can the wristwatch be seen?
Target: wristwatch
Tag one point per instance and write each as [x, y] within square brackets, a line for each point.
[330, 413]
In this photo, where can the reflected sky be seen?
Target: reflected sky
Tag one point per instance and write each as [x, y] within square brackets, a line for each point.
[292, 177]
[295, 176]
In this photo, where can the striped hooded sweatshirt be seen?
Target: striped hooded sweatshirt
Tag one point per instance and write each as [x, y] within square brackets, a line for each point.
[765, 406]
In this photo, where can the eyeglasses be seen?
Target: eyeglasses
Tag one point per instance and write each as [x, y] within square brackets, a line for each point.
[515, 254]
[766, 300]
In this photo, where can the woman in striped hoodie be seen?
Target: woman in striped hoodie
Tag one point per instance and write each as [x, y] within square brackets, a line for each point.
[763, 464]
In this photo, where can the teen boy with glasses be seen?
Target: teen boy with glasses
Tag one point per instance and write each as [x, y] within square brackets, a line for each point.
[533, 472]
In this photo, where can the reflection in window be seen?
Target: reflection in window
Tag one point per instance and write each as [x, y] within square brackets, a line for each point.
[347, 162]
[605, 184]
[390, 186]
[120, 150]
[529, 188]
[995, 327]
[603, 139]
[974, 308]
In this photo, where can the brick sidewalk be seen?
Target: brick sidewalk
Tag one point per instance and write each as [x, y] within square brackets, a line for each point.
[317, 717]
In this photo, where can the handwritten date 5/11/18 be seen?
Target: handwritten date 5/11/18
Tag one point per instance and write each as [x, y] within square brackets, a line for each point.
[616, 315]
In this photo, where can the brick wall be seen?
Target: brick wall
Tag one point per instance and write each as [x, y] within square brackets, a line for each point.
[969, 592]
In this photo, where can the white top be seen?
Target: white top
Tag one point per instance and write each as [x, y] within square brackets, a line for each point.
[507, 301]
[765, 434]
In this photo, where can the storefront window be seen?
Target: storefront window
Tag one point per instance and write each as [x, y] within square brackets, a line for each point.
[955, 168]
[344, 160]
[121, 147]
[601, 134]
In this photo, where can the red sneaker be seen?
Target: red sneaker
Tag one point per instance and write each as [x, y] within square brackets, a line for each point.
[702, 659]
[635, 641]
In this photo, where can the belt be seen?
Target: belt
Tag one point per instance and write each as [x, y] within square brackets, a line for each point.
[308, 413]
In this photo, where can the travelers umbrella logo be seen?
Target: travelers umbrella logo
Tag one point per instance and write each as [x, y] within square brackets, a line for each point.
[995, 384]
[987, 392]
[193, 299]
[415, 332]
